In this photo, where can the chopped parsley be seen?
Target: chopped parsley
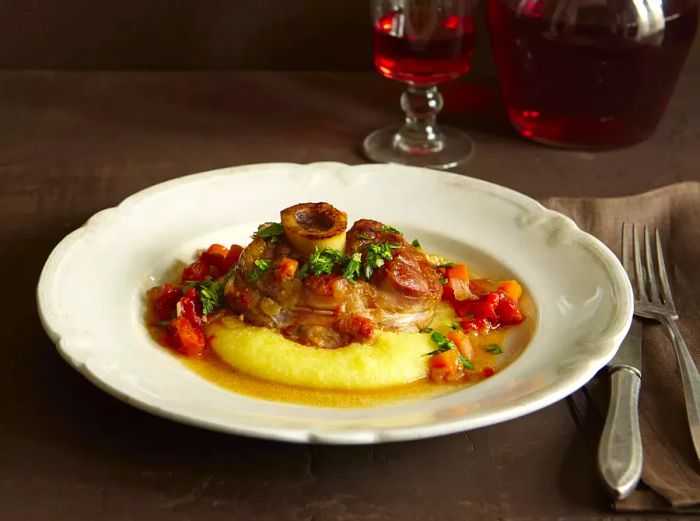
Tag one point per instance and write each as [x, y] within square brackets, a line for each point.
[446, 265]
[456, 327]
[494, 349]
[426, 330]
[416, 244]
[375, 255]
[269, 231]
[442, 343]
[362, 236]
[321, 262]
[390, 229]
[443, 280]
[352, 267]
[466, 363]
[261, 266]
[211, 294]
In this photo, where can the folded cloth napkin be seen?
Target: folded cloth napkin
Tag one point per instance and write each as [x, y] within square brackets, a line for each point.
[671, 473]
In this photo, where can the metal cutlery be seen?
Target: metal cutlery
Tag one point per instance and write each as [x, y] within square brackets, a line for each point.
[653, 299]
[620, 449]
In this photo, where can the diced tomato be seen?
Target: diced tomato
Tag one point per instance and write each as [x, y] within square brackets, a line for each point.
[234, 253]
[511, 288]
[445, 366]
[508, 311]
[488, 371]
[216, 256]
[190, 306]
[484, 308]
[196, 271]
[287, 269]
[461, 340]
[476, 324]
[188, 338]
[165, 302]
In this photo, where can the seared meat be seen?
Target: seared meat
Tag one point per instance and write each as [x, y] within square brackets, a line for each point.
[328, 310]
[407, 287]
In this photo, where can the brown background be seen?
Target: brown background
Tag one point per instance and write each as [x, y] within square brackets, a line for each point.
[185, 34]
[73, 143]
[192, 35]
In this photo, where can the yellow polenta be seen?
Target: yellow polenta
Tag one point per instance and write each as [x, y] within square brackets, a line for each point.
[392, 359]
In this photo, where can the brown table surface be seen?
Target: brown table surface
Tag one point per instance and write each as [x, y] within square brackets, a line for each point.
[74, 143]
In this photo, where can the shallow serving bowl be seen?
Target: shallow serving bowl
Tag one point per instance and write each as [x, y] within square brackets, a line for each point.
[90, 293]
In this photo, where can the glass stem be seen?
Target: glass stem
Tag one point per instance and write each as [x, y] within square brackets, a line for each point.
[419, 133]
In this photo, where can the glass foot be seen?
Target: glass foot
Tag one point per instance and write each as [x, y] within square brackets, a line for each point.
[386, 146]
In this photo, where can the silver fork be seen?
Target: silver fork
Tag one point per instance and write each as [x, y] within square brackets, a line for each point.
[653, 300]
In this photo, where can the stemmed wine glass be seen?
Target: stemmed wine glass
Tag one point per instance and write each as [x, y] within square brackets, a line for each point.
[422, 43]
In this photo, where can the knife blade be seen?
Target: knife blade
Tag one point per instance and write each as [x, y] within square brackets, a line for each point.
[620, 449]
[629, 355]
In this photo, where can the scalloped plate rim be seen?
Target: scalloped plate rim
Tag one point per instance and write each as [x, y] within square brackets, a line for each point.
[542, 398]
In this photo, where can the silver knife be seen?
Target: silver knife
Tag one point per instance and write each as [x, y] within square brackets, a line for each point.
[620, 449]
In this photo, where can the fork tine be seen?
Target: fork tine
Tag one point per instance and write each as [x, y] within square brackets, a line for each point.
[651, 272]
[663, 275]
[642, 295]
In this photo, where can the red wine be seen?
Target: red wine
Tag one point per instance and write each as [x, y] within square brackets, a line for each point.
[588, 85]
[423, 48]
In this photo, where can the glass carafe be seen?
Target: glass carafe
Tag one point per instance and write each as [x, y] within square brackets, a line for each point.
[589, 74]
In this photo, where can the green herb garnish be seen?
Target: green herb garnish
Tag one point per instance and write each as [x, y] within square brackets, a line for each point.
[494, 349]
[352, 267]
[375, 255]
[447, 265]
[426, 330]
[261, 266]
[443, 280]
[456, 327]
[362, 236]
[269, 232]
[390, 229]
[211, 294]
[321, 262]
[466, 363]
[442, 343]
[416, 244]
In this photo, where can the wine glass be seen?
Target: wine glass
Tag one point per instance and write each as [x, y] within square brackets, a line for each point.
[422, 43]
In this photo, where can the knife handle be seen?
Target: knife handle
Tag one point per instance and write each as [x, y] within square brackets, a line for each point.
[620, 449]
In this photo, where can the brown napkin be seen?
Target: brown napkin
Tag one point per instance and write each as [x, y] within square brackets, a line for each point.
[671, 475]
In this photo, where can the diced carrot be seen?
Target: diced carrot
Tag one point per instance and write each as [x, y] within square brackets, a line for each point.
[215, 256]
[511, 288]
[462, 342]
[458, 272]
[287, 269]
[445, 366]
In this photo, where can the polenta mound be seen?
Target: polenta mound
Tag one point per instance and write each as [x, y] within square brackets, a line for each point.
[392, 359]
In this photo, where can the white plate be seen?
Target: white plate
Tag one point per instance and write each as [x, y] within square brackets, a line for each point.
[90, 293]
